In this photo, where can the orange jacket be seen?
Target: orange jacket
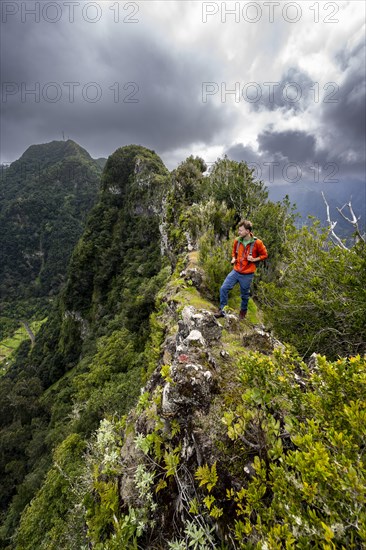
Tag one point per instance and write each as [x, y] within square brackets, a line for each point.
[240, 253]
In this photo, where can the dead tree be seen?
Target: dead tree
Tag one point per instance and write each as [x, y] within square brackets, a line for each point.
[353, 220]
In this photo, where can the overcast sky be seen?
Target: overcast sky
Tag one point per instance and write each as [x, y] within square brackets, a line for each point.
[278, 84]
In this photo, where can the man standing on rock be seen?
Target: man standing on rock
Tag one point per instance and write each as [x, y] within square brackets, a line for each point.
[247, 252]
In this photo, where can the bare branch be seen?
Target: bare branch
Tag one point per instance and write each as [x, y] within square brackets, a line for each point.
[332, 226]
[353, 221]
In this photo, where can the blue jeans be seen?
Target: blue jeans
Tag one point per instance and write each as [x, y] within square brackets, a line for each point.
[244, 281]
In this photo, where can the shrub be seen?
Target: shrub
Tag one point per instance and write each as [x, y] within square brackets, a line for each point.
[304, 429]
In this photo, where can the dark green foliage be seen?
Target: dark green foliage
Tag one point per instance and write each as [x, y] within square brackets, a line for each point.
[45, 196]
[187, 189]
[101, 162]
[87, 354]
[233, 183]
[215, 258]
[51, 507]
[22, 443]
[122, 228]
[272, 224]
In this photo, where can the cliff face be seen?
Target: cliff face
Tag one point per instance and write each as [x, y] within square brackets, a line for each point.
[120, 251]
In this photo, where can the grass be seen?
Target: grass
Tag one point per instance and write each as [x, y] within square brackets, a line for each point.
[9, 345]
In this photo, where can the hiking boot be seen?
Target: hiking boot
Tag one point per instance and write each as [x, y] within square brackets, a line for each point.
[242, 314]
[219, 314]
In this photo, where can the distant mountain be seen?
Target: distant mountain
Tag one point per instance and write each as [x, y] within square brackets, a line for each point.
[101, 162]
[45, 197]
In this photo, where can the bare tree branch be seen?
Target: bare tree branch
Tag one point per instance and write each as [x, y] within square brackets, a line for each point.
[353, 221]
[332, 226]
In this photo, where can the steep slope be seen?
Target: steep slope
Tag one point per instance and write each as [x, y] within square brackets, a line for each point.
[86, 357]
[235, 443]
[45, 198]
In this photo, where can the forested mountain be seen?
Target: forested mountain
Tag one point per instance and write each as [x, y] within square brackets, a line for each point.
[101, 315]
[45, 197]
[137, 420]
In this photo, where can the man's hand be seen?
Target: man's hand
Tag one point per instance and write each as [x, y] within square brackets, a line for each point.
[251, 259]
[233, 260]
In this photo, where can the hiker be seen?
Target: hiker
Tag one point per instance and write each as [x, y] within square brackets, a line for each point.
[247, 252]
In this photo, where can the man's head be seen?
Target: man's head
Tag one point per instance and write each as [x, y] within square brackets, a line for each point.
[245, 228]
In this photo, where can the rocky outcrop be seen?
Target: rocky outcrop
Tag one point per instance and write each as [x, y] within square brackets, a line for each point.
[179, 429]
[192, 371]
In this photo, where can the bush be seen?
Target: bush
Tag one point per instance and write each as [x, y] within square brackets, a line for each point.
[319, 302]
[305, 430]
[214, 256]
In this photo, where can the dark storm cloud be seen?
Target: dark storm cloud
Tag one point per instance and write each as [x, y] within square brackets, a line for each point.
[289, 164]
[293, 91]
[346, 117]
[240, 152]
[282, 157]
[294, 145]
[336, 151]
[127, 85]
[278, 148]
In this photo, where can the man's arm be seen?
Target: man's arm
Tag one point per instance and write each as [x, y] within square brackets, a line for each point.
[233, 252]
[261, 250]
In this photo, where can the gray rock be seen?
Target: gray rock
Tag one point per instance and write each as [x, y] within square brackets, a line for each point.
[204, 321]
[191, 388]
[260, 340]
[194, 339]
[194, 275]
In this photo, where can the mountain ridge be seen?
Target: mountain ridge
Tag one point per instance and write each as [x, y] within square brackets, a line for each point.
[218, 448]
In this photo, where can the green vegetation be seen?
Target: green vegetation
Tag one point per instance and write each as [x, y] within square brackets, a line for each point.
[88, 358]
[235, 442]
[45, 198]
[8, 346]
[302, 433]
[318, 302]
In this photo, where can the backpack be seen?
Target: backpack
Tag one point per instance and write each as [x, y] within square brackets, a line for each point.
[250, 248]
[263, 263]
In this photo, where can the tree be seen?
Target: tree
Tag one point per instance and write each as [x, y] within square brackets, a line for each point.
[319, 301]
[233, 183]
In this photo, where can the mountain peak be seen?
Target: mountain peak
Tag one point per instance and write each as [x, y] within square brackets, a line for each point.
[53, 151]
